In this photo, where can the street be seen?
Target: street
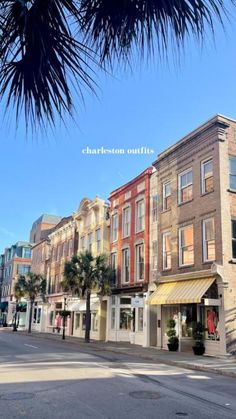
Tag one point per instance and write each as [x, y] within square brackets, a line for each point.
[43, 378]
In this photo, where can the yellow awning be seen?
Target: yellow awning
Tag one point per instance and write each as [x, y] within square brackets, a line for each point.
[181, 292]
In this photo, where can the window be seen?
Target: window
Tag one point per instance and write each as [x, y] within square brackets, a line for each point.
[114, 227]
[125, 265]
[98, 240]
[208, 234]
[232, 172]
[207, 176]
[77, 320]
[234, 239]
[83, 321]
[95, 321]
[140, 319]
[114, 265]
[26, 252]
[154, 254]
[83, 244]
[186, 256]
[126, 222]
[23, 269]
[185, 186]
[113, 317]
[140, 215]
[90, 242]
[166, 250]
[70, 247]
[166, 196]
[154, 208]
[125, 318]
[139, 262]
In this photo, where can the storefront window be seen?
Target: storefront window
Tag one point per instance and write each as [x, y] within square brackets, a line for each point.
[210, 319]
[188, 319]
[125, 318]
[113, 317]
[77, 320]
[95, 322]
[140, 319]
[51, 318]
[39, 315]
[83, 321]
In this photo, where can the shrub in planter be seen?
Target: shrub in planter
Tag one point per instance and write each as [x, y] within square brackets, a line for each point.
[173, 341]
[198, 335]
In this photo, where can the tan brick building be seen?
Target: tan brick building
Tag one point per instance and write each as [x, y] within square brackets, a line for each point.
[195, 269]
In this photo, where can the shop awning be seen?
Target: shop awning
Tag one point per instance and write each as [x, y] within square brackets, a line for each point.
[81, 306]
[181, 292]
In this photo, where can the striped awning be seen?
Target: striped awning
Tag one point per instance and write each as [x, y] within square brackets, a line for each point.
[181, 292]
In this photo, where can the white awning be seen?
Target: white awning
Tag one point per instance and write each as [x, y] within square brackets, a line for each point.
[81, 305]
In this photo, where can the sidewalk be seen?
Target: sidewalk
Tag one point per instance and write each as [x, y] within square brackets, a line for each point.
[223, 366]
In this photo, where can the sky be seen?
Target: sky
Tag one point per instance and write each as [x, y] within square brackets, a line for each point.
[152, 107]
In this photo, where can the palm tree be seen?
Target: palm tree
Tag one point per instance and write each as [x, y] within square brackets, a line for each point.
[31, 286]
[85, 273]
[46, 47]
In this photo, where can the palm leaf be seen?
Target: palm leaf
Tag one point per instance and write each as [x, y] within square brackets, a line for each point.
[39, 57]
[115, 27]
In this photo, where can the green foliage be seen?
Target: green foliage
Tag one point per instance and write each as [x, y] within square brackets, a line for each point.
[30, 286]
[171, 332]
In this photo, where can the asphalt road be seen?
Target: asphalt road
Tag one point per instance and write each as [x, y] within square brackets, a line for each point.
[42, 378]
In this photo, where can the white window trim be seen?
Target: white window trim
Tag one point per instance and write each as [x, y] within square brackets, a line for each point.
[123, 266]
[128, 207]
[168, 182]
[136, 215]
[202, 173]
[179, 183]
[136, 265]
[112, 217]
[204, 241]
[167, 233]
[180, 247]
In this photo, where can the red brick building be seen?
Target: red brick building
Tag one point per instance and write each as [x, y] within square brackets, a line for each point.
[129, 247]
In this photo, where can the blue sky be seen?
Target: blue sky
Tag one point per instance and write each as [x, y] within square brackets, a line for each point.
[153, 106]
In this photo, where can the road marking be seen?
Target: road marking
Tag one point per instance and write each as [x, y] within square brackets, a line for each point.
[31, 346]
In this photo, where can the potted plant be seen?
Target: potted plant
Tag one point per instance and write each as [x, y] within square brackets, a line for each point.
[198, 335]
[173, 341]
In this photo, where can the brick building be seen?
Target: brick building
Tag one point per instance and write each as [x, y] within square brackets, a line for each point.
[195, 257]
[129, 248]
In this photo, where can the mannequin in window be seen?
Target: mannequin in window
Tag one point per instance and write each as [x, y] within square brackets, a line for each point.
[211, 315]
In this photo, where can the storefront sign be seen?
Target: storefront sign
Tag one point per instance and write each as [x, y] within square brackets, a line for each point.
[212, 302]
[137, 302]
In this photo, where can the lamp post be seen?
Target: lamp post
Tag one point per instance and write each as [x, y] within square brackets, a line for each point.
[64, 318]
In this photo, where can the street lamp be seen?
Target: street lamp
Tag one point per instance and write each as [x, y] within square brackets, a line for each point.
[64, 318]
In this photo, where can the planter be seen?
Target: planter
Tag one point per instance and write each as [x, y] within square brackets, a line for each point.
[173, 347]
[198, 350]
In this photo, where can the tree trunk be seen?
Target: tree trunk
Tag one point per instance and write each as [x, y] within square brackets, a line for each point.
[30, 316]
[88, 318]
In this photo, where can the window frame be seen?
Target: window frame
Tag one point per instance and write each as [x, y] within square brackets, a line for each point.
[138, 263]
[203, 179]
[165, 197]
[205, 242]
[233, 239]
[113, 237]
[138, 228]
[185, 172]
[164, 252]
[181, 264]
[124, 224]
[124, 265]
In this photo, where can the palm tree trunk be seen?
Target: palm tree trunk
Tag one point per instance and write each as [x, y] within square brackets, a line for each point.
[30, 316]
[88, 318]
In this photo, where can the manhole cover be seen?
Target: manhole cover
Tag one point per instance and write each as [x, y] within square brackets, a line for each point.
[16, 396]
[181, 414]
[144, 395]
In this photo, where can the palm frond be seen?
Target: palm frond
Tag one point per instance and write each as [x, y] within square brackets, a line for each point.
[40, 57]
[115, 27]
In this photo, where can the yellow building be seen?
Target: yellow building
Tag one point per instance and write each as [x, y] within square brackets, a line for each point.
[93, 232]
